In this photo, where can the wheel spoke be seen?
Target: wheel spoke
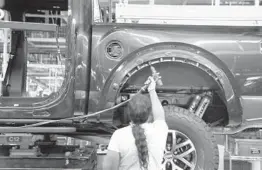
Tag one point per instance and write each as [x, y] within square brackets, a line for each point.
[191, 165]
[182, 155]
[171, 141]
[175, 167]
[187, 142]
[164, 165]
[174, 140]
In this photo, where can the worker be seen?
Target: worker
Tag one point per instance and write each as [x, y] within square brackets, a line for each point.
[139, 146]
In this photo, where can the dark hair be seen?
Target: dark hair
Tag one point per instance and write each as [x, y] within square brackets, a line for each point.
[139, 109]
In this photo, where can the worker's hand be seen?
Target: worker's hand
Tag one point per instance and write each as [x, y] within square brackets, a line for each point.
[151, 84]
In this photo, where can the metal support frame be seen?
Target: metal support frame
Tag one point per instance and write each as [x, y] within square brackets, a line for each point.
[255, 161]
[28, 151]
[6, 33]
[213, 2]
[50, 130]
[6, 37]
[45, 16]
[214, 14]
[221, 151]
[256, 165]
[47, 40]
[28, 26]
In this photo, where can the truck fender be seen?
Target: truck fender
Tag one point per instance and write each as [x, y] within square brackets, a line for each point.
[176, 52]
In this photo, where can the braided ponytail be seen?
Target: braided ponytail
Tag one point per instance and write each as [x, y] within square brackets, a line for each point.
[139, 109]
[141, 145]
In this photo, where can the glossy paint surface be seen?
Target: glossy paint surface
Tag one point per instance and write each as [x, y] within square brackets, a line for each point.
[82, 17]
[237, 52]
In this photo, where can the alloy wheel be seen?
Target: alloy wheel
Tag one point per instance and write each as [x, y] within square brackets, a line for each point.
[180, 152]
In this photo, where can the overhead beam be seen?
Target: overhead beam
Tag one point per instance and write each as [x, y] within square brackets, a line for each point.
[46, 40]
[28, 26]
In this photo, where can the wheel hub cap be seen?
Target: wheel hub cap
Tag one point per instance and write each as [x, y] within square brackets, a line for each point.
[180, 152]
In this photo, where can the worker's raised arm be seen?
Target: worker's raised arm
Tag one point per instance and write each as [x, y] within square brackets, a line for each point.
[157, 108]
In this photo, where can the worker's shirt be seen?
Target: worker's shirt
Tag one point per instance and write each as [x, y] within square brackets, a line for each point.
[123, 142]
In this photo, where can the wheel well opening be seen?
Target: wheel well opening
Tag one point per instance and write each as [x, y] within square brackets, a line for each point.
[181, 83]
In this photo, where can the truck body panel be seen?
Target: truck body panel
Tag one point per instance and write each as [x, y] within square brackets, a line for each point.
[236, 47]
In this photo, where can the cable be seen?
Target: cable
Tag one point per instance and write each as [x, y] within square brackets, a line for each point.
[86, 116]
[155, 76]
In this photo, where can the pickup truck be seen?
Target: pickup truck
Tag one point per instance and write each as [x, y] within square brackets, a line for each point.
[210, 63]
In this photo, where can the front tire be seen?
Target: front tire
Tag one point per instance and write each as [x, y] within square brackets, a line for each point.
[190, 142]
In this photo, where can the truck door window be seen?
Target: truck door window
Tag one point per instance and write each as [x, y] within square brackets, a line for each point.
[44, 58]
